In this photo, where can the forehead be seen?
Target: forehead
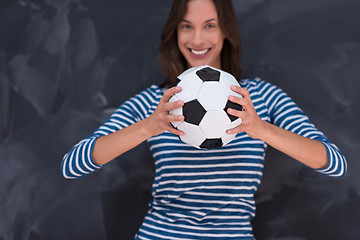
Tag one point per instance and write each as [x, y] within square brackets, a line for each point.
[200, 10]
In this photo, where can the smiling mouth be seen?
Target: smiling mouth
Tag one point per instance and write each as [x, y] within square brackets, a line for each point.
[199, 52]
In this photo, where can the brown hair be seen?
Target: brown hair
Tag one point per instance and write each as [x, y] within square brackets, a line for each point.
[173, 63]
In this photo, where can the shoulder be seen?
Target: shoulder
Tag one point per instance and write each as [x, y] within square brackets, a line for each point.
[143, 103]
[146, 99]
[256, 84]
[261, 88]
[154, 90]
[150, 94]
[266, 95]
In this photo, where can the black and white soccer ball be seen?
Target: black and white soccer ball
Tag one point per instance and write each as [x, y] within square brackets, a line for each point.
[205, 92]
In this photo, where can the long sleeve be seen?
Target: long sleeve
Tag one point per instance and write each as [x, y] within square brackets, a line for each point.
[79, 162]
[286, 114]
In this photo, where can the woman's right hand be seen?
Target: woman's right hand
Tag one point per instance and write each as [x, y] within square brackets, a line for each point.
[114, 144]
[160, 120]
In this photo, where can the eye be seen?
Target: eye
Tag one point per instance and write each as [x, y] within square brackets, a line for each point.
[210, 26]
[185, 26]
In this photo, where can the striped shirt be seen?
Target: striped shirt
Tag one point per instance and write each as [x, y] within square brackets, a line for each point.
[204, 194]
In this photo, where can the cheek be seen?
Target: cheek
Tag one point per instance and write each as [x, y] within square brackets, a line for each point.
[219, 40]
[180, 41]
[181, 48]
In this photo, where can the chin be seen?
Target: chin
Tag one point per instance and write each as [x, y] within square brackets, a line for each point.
[198, 64]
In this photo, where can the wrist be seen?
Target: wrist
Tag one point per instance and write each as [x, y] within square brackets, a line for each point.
[145, 129]
[265, 131]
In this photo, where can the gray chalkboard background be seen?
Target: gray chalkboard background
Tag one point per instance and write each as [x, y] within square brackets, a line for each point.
[65, 65]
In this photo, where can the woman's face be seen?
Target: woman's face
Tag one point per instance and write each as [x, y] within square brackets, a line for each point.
[200, 38]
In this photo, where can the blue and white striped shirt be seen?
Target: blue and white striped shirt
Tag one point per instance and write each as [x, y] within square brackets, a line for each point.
[204, 194]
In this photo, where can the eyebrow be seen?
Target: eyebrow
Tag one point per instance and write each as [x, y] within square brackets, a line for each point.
[209, 20]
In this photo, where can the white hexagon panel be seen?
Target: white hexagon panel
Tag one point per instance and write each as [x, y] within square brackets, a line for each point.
[214, 124]
[191, 86]
[227, 80]
[193, 134]
[213, 96]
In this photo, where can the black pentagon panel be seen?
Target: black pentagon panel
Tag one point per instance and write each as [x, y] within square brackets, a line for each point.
[208, 74]
[177, 81]
[193, 112]
[232, 105]
[212, 143]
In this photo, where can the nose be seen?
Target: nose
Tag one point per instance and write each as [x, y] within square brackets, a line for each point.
[198, 38]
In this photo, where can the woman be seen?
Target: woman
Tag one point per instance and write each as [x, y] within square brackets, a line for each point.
[205, 194]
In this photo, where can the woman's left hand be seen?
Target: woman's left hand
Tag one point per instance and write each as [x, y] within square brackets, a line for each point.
[308, 151]
[252, 124]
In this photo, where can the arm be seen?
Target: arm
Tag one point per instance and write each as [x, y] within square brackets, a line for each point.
[305, 144]
[308, 151]
[113, 145]
[125, 129]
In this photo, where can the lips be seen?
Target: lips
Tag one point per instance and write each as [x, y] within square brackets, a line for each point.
[199, 53]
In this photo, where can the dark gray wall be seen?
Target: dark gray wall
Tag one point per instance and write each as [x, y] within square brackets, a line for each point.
[65, 65]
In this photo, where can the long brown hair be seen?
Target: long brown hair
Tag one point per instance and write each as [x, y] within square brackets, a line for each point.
[172, 62]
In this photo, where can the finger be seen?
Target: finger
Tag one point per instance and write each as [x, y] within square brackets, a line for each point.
[173, 130]
[172, 105]
[175, 118]
[242, 91]
[170, 92]
[236, 113]
[244, 102]
[238, 100]
[237, 129]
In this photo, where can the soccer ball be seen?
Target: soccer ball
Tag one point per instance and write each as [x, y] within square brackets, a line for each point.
[205, 92]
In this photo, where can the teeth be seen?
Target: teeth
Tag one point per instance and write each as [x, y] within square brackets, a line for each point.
[199, 52]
